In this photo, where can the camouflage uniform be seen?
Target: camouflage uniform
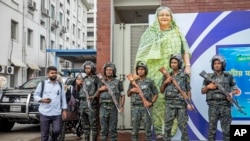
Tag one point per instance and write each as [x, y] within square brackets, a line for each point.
[219, 106]
[89, 118]
[108, 112]
[139, 112]
[176, 106]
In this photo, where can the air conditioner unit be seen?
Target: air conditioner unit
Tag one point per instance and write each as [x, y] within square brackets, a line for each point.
[32, 5]
[64, 29]
[45, 12]
[2, 69]
[55, 23]
[9, 70]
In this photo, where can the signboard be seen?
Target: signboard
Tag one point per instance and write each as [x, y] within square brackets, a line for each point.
[238, 64]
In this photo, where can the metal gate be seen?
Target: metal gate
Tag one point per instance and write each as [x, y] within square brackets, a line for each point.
[126, 38]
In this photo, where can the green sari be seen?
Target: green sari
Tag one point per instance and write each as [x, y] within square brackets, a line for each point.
[155, 49]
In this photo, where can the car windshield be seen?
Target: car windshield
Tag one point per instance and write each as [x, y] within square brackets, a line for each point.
[32, 83]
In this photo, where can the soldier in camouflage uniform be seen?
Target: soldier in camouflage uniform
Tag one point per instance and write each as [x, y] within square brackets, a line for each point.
[218, 103]
[139, 112]
[89, 116]
[176, 107]
[108, 111]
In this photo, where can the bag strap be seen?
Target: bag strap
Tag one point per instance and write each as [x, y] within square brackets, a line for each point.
[41, 94]
[43, 83]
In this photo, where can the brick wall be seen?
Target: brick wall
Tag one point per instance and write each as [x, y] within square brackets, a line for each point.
[177, 6]
[103, 33]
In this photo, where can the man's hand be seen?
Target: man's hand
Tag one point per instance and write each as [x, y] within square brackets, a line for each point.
[45, 100]
[64, 114]
[102, 88]
[190, 107]
[212, 86]
[168, 80]
[134, 90]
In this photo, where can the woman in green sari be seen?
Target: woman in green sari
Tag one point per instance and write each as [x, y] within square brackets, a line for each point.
[157, 44]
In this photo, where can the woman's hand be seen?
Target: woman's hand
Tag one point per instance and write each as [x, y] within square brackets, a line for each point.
[188, 69]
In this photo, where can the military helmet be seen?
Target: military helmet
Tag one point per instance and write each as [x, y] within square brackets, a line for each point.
[111, 65]
[221, 59]
[141, 64]
[91, 64]
[178, 57]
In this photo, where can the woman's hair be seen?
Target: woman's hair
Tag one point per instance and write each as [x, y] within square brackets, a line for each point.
[158, 10]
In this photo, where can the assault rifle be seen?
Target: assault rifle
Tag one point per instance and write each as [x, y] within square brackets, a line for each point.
[145, 103]
[99, 75]
[144, 100]
[223, 91]
[87, 96]
[183, 93]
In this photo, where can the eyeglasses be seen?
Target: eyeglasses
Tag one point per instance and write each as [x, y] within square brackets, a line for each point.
[163, 15]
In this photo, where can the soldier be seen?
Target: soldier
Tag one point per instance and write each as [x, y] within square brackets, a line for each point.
[176, 107]
[139, 112]
[89, 113]
[219, 107]
[108, 112]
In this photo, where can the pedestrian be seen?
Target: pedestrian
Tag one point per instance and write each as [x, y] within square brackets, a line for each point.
[89, 113]
[219, 106]
[176, 107]
[140, 113]
[52, 104]
[161, 39]
[72, 98]
[108, 110]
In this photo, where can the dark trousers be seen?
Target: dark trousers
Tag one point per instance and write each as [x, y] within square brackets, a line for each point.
[45, 122]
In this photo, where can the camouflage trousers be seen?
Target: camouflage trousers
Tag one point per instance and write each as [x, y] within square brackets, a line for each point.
[139, 115]
[182, 117]
[222, 113]
[108, 121]
[89, 122]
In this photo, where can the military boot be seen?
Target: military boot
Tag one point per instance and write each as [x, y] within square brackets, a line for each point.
[94, 137]
[87, 138]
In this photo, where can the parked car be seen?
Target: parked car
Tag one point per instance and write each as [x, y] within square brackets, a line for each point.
[18, 105]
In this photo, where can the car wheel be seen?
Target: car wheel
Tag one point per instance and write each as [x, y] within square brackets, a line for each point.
[5, 125]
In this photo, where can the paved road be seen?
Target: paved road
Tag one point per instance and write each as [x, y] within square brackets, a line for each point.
[27, 132]
[31, 132]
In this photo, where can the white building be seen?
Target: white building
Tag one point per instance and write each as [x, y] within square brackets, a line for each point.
[29, 27]
[91, 25]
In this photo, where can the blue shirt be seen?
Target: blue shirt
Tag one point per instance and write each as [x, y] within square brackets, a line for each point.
[57, 96]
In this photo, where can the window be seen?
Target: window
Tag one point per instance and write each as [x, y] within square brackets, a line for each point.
[42, 4]
[14, 28]
[68, 1]
[67, 24]
[42, 42]
[52, 44]
[79, 33]
[90, 34]
[83, 34]
[90, 20]
[52, 8]
[74, 26]
[29, 37]
[90, 47]
[61, 18]
[60, 46]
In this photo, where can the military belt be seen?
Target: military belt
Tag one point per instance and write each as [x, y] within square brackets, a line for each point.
[108, 104]
[217, 99]
[83, 98]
